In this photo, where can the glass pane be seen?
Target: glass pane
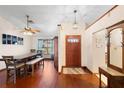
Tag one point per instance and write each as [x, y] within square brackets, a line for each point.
[4, 39]
[9, 39]
[46, 45]
[116, 47]
[14, 40]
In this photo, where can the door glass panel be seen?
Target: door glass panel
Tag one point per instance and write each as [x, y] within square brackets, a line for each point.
[116, 47]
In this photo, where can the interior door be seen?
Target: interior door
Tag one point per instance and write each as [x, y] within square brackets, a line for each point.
[73, 50]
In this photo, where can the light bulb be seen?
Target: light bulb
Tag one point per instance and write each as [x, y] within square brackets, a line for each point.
[28, 33]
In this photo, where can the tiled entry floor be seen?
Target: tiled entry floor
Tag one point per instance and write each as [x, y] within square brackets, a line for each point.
[74, 70]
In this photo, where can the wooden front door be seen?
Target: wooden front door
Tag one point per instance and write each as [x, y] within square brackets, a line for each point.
[73, 50]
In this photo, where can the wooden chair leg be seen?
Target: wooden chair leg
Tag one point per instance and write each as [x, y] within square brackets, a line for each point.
[37, 65]
[43, 64]
[18, 72]
[32, 69]
[14, 76]
[25, 70]
[7, 78]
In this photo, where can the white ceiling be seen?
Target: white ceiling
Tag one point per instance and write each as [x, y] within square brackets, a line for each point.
[47, 17]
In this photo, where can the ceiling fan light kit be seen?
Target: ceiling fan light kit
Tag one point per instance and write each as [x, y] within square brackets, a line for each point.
[28, 33]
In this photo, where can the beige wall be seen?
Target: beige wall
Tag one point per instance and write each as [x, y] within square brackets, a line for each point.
[67, 29]
[8, 28]
[91, 59]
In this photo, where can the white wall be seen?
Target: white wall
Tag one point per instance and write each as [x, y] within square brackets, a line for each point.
[67, 29]
[98, 46]
[8, 28]
[111, 18]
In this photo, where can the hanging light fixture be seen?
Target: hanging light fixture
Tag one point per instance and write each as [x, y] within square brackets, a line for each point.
[59, 26]
[28, 30]
[75, 25]
[27, 33]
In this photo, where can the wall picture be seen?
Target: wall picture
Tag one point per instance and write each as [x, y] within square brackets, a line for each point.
[13, 40]
[4, 41]
[18, 40]
[21, 41]
[9, 39]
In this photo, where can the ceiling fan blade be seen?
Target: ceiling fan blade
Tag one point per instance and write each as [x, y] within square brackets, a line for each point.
[30, 21]
[35, 30]
[25, 31]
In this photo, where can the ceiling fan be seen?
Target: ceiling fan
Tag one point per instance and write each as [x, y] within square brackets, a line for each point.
[28, 30]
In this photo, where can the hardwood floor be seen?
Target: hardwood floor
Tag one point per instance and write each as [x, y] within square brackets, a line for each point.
[49, 78]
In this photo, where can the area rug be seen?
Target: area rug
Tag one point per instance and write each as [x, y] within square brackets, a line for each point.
[73, 71]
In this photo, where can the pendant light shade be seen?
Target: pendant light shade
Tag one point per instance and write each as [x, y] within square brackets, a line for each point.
[75, 26]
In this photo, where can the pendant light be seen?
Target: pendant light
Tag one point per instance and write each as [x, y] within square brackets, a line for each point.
[75, 25]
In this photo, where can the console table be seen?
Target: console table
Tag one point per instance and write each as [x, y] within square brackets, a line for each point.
[115, 79]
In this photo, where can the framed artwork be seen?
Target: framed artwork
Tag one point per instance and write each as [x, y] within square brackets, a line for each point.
[18, 40]
[14, 40]
[21, 41]
[9, 39]
[4, 41]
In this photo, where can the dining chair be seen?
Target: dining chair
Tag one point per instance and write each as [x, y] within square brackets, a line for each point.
[13, 67]
[39, 53]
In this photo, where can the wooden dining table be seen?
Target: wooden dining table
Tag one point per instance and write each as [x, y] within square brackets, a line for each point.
[24, 57]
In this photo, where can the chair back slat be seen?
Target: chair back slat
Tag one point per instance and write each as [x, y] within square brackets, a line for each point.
[8, 60]
[39, 52]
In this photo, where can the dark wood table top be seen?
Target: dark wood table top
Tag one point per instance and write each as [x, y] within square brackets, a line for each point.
[24, 56]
